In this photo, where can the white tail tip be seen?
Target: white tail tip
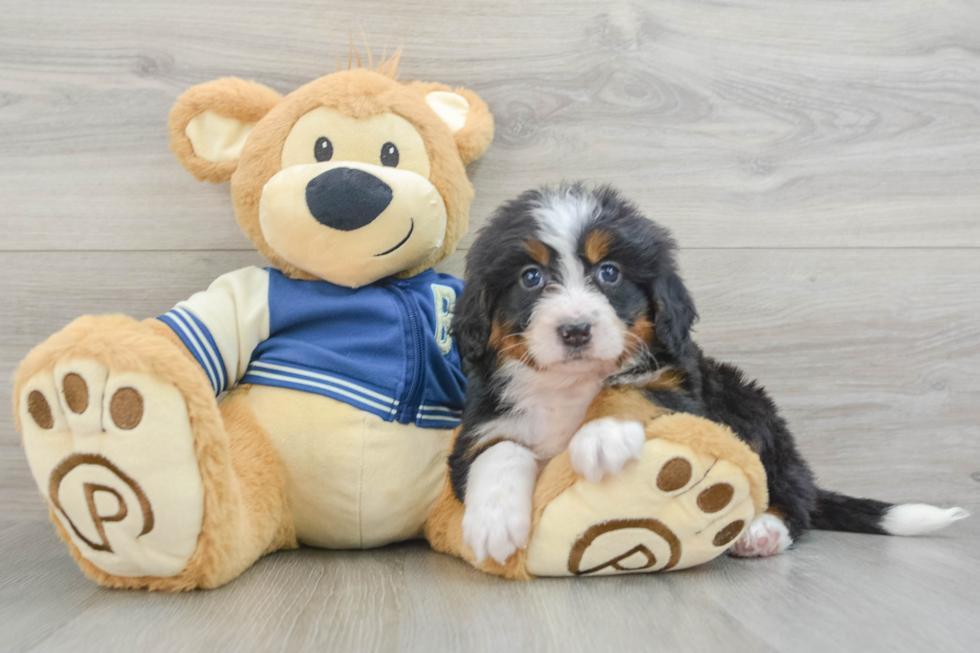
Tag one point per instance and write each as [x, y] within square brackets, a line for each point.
[919, 518]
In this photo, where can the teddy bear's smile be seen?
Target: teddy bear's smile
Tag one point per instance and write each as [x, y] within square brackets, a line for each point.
[411, 228]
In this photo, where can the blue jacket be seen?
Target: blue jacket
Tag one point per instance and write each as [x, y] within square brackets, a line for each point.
[384, 348]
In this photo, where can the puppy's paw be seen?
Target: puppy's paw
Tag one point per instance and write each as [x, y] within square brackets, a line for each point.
[766, 536]
[497, 520]
[497, 526]
[604, 446]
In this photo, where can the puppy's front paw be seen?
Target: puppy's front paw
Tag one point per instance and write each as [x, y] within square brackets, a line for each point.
[766, 536]
[497, 527]
[604, 445]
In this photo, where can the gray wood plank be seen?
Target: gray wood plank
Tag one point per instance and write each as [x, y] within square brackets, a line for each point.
[832, 592]
[814, 125]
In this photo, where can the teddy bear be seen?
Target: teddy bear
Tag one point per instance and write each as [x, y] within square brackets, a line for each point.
[314, 402]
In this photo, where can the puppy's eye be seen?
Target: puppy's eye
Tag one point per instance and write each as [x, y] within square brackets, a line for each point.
[323, 149]
[531, 277]
[608, 273]
[389, 155]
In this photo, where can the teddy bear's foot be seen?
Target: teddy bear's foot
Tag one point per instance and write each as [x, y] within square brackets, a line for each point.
[113, 453]
[128, 447]
[692, 493]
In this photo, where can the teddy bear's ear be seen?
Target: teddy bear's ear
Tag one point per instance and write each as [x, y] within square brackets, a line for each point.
[210, 123]
[466, 115]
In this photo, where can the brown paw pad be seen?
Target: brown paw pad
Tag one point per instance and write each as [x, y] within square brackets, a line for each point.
[716, 497]
[675, 474]
[728, 533]
[40, 409]
[76, 392]
[126, 408]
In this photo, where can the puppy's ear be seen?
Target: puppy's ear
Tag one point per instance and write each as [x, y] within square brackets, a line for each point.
[471, 325]
[674, 312]
[210, 123]
[466, 115]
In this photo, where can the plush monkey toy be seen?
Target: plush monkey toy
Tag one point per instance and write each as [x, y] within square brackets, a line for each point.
[342, 381]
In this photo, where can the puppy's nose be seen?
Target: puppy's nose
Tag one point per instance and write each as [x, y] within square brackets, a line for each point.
[576, 335]
[346, 198]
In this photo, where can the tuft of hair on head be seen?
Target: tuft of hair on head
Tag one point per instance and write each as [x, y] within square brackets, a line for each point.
[387, 66]
[367, 46]
[353, 53]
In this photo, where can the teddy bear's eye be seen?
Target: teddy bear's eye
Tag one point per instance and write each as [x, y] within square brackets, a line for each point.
[389, 155]
[323, 150]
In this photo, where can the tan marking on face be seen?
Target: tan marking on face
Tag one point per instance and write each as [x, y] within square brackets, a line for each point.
[497, 333]
[538, 251]
[509, 345]
[639, 335]
[597, 245]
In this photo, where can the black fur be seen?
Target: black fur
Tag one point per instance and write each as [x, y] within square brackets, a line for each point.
[717, 391]
[839, 512]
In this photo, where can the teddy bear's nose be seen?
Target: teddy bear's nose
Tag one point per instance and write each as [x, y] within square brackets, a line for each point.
[346, 198]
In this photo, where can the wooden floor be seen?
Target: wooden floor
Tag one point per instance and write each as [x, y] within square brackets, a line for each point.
[819, 163]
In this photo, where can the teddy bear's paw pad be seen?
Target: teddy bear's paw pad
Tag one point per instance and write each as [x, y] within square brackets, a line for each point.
[672, 509]
[113, 454]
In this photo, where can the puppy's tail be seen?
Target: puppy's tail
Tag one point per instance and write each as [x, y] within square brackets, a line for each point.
[839, 512]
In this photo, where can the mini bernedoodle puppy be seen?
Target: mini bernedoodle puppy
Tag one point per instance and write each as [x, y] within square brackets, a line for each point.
[574, 290]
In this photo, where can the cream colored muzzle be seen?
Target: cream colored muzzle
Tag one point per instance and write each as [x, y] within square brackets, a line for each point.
[405, 233]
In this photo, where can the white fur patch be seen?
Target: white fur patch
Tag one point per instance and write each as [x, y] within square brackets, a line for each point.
[499, 489]
[547, 405]
[604, 446]
[574, 304]
[767, 535]
[919, 518]
[562, 220]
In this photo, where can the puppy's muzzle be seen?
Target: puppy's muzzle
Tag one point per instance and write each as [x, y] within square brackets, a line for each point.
[347, 199]
[575, 336]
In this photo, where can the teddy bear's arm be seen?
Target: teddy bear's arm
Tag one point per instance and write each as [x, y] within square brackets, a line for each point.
[223, 325]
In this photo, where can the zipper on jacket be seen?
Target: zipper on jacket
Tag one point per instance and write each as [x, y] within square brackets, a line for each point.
[410, 400]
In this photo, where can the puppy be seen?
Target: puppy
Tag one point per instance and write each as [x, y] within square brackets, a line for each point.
[573, 291]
